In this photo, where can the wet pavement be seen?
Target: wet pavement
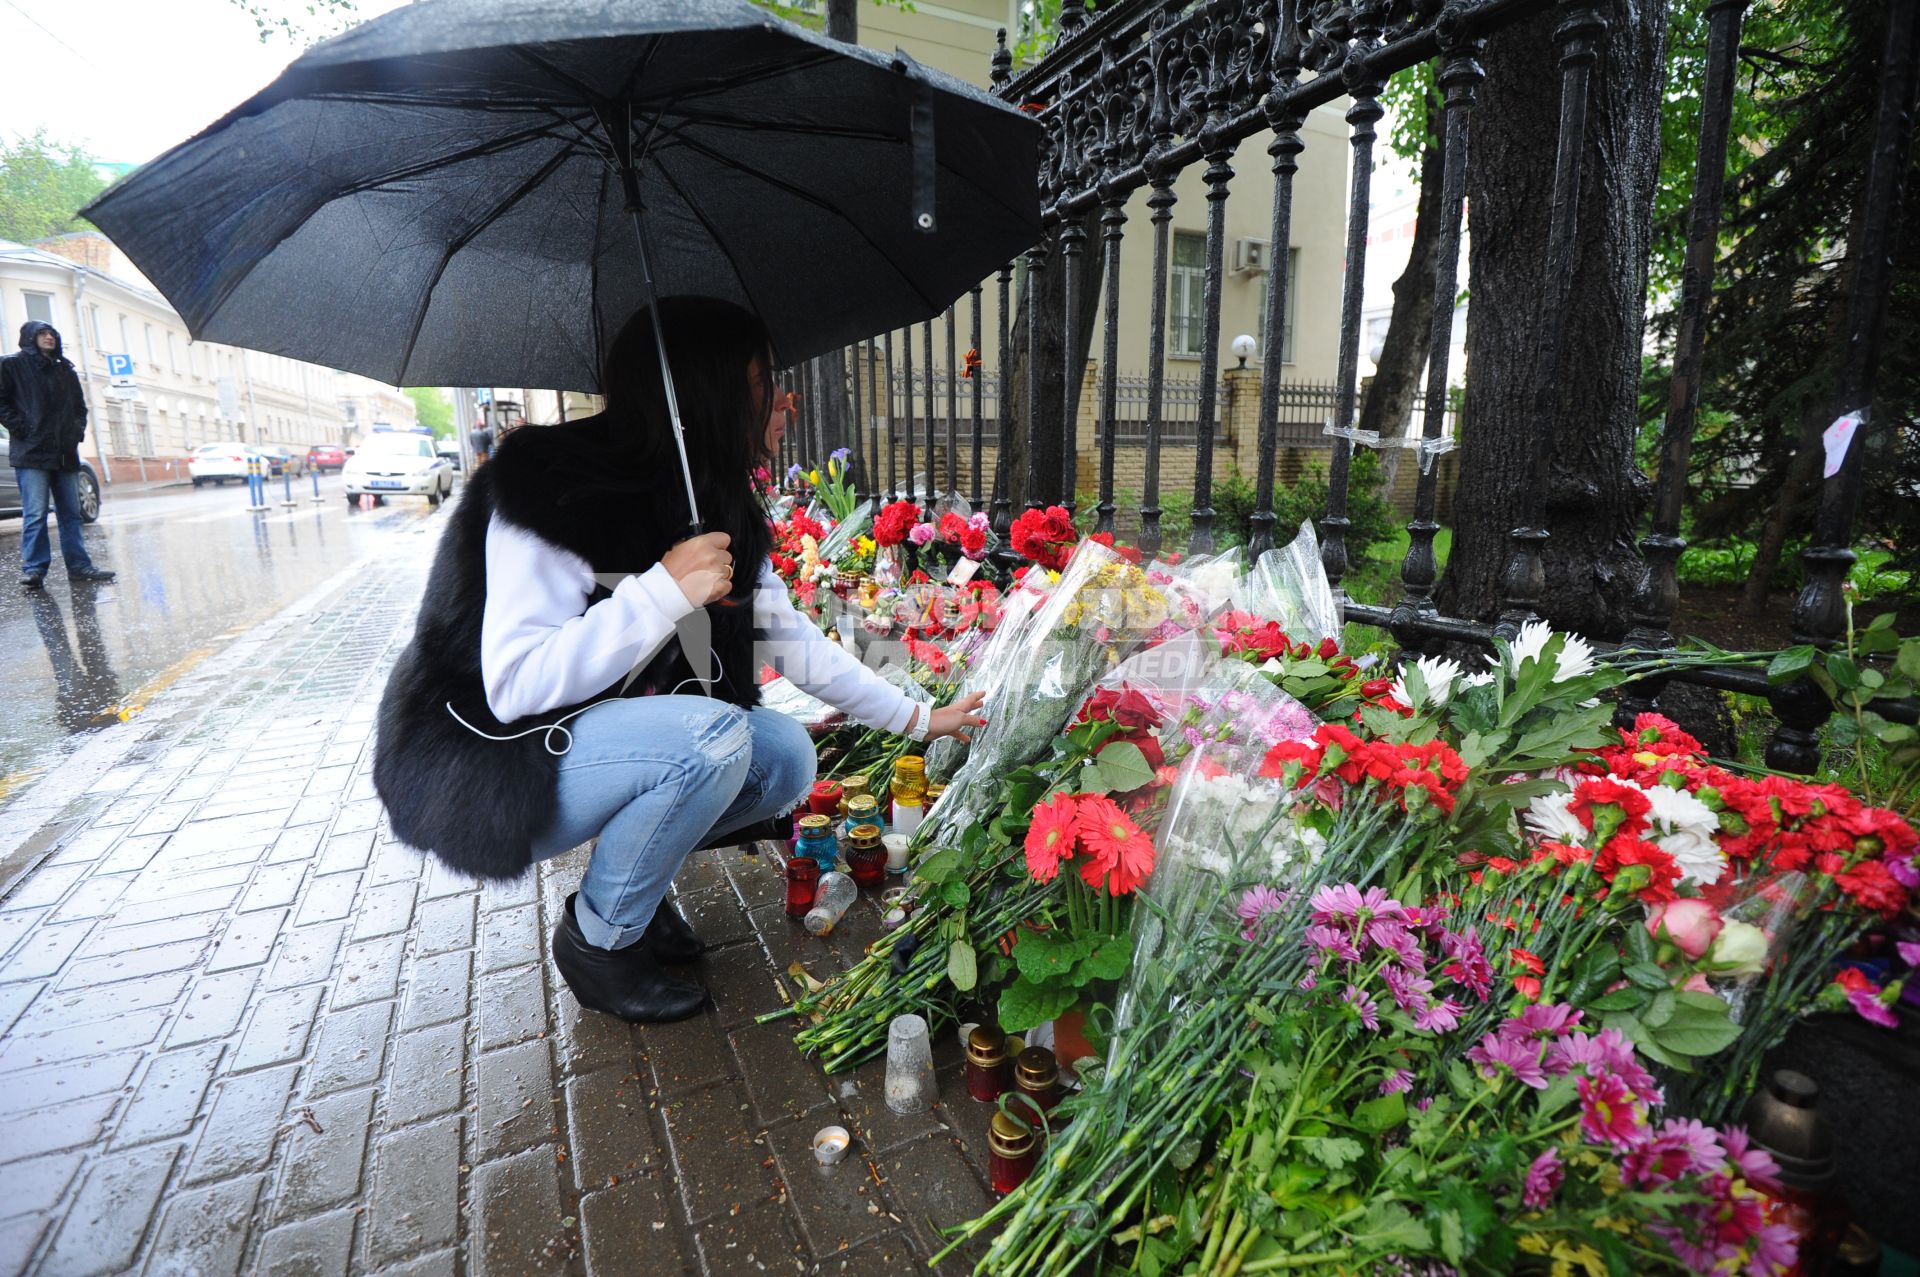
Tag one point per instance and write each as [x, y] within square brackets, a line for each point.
[196, 568]
[242, 1030]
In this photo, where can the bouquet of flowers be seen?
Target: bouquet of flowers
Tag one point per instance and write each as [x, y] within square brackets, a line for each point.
[1044, 536]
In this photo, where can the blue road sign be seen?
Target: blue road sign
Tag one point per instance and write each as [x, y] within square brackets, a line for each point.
[120, 366]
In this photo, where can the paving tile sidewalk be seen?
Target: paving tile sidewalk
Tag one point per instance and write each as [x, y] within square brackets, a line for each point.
[242, 1030]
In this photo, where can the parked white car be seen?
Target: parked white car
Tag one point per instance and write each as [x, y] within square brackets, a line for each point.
[398, 464]
[218, 462]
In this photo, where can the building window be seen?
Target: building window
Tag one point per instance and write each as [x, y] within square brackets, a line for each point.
[1186, 307]
[126, 342]
[173, 352]
[1293, 305]
[99, 334]
[39, 307]
[153, 357]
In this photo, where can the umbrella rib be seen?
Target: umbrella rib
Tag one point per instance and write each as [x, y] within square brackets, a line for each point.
[593, 274]
[460, 241]
[810, 198]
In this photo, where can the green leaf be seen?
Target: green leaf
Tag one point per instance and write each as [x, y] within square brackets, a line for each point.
[1908, 662]
[1025, 1005]
[1660, 1009]
[1700, 1025]
[962, 967]
[1639, 944]
[1453, 1237]
[1109, 959]
[1124, 767]
[1049, 955]
[955, 892]
[1333, 1151]
[938, 867]
[1884, 621]
[1647, 975]
[1791, 663]
[1092, 779]
[1382, 1114]
[1388, 1225]
[1618, 1000]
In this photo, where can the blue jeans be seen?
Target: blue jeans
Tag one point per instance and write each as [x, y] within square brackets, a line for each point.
[63, 486]
[651, 778]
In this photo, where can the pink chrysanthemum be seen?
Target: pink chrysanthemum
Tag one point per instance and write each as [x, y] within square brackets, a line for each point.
[1543, 1179]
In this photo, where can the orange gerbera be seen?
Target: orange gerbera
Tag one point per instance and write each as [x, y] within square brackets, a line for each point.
[1119, 852]
[1051, 836]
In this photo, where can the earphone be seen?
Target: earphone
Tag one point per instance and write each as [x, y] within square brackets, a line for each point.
[555, 725]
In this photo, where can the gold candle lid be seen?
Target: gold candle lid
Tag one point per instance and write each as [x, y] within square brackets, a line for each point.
[853, 785]
[814, 824]
[986, 1046]
[1007, 1138]
[911, 763]
[1036, 1069]
[863, 803]
[934, 792]
[865, 837]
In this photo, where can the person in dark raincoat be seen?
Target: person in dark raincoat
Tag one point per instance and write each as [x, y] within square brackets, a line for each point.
[45, 413]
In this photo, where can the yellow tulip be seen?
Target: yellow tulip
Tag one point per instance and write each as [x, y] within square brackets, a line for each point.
[813, 476]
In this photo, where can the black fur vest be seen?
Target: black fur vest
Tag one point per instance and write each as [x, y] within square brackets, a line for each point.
[478, 804]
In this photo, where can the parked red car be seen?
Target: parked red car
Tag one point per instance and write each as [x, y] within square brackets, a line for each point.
[326, 456]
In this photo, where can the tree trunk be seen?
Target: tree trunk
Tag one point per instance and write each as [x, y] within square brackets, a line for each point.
[1015, 404]
[843, 20]
[1398, 382]
[1594, 492]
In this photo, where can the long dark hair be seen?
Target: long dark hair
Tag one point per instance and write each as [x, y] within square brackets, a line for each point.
[711, 345]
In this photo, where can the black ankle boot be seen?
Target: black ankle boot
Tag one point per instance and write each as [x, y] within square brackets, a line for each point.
[670, 939]
[624, 982]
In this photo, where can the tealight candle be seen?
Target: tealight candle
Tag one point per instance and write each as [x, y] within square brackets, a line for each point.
[896, 845]
[830, 1144]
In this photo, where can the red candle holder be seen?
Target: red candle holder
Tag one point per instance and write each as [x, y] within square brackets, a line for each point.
[803, 881]
[824, 799]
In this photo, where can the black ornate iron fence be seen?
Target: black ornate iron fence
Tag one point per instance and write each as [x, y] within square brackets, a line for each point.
[1152, 88]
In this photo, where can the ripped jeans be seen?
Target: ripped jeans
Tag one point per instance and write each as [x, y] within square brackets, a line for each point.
[653, 777]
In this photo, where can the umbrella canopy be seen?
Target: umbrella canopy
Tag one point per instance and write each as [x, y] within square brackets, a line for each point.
[443, 195]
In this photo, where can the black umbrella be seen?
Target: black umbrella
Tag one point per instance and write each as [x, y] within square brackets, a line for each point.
[479, 192]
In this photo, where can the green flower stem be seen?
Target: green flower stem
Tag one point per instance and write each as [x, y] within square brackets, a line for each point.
[1274, 1263]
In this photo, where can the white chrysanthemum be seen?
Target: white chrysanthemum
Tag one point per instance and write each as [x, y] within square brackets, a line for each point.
[1527, 645]
[1438, 673]
[1549, 817]
[1684, 828]
[1476, 680]
[1576, 658]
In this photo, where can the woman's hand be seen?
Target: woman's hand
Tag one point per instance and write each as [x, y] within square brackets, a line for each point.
[702, 568]
[954, 720]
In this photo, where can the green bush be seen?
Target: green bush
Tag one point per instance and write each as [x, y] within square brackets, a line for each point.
[1728, 563]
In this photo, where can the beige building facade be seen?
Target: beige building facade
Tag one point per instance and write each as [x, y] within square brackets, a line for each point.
[189, 393]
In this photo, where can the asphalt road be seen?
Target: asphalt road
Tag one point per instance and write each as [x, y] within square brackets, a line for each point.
[196, 568]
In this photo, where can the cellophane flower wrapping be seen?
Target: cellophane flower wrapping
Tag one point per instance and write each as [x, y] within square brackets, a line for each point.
[1225, 827]
[783, 695]
[858, 520]
[989, 667]
[1101, 609]
[1288, 584]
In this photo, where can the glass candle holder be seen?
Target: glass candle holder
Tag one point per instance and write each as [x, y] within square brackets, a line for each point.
[1037, 1073]
[803, 880]
[1010, 1150]
[866, 857]
[896, 845]
[817, 840]
[910, 1085]
[830, 903]
[830, 1144]
[862, 809]
[824, 799]
[989, 1070]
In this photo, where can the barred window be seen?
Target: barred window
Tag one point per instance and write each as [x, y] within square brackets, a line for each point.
[1185, 310]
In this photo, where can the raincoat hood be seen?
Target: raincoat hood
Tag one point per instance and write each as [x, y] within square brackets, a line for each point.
[30, 332]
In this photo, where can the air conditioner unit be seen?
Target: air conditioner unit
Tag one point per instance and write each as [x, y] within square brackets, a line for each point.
[1251, 256]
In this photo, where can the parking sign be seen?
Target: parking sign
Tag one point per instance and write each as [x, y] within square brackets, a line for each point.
[120, 369]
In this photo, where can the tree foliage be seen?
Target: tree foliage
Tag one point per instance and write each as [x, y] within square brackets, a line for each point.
[432, 409]
[42, 186]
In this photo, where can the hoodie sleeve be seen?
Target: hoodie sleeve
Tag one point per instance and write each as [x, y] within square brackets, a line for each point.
[542, 646]
[820, 667]
[9, 409]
